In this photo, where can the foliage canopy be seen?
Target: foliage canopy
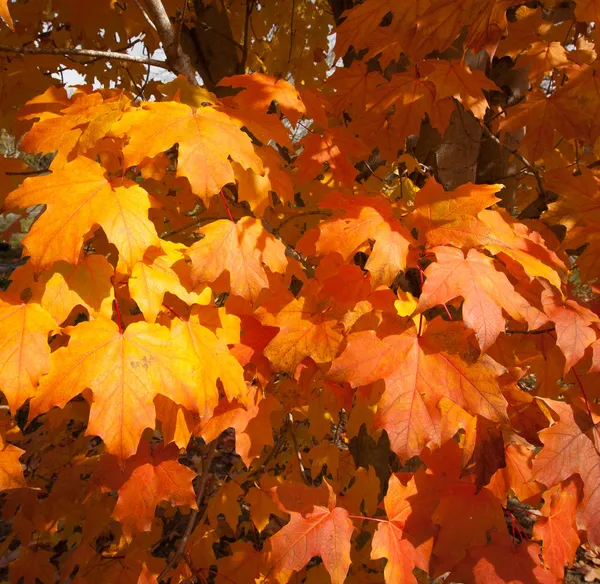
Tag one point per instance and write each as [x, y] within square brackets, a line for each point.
[320, 307]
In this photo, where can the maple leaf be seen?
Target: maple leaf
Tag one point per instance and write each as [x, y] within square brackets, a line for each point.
[541, 58]
[460, 218]
[364, 218]
[556, 529]
[388, 540]
[577, 211]
[499, 564]
[485, 290]
[212, 361]
[306, 329]
[455, 79]
[5, 14]
[147, 480]
[336, 147]
[24, 354]
[240, 249]
[206, 139]
[11, 471]
[573, 326]
[541, 116]
[77, 128]
[323, 531]
[419, 371]
[570, 448]
[158, 274]
[225, 502]
[354, 86]
[33, 566]
[516, 476]
[245, 565]
[125, 371]
[359, 23]
[488, 25]
[260, 90]
[88, 284]
[479, 513]
[261, 507]
[119, 207]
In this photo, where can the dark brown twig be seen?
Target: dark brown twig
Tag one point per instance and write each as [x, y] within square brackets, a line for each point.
[290, 426]
[534, 169]
[538, 332]
[194, 512]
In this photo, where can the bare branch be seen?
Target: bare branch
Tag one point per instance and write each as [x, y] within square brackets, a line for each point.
[84, 53]
[178, 59]
[145, 15]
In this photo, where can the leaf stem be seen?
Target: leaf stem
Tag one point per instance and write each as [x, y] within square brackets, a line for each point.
[172, 311]
[587, 403]
[227, 206]
[118, 311]
[448, 312]
[368, 518]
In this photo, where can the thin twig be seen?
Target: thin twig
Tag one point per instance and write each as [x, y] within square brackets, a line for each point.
[290, 425]
[249, 8]
[303, 214]
[194, 512]
[196, 223]
[208, 28]
[534, 169]
[538, 332]
[292, 33]
[145, 15]
[84, 53]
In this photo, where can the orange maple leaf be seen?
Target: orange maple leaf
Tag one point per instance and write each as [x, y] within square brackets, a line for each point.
[557, 529]
[573, 322]
[362, 218]
[147, 480]
[306, 329]
[323, 531]
[455, 79]
[260, 90]
[419, 371]
[125, 371]
[570, 448]
[25, 354]
[11, 470]
[485, 290]
[119, 207]
[206, 138]
[389, 542]
[240, 249]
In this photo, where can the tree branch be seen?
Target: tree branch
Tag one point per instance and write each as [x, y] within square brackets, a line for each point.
[84, 53]
[178, 59]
